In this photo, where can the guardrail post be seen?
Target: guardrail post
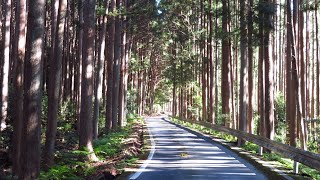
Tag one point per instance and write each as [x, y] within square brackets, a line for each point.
[260, 150]
[295, 167]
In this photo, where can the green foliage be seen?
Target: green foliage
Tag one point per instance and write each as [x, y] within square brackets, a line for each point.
[102, 117]
[69, 166]
[256, 119]
[44, 108]
[66, 117]
[111, 144]
[280, 107]
[281, 125]
[131, 100]
[59, 172]
[287, 163]
[163, 93]
[136, 64]
[311, 172]
[314, 139]
[251, 147]
[127, 162]
[66, 123]
[100, 10]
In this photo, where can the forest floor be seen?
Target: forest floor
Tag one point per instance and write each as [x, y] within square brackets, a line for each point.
[132, 150]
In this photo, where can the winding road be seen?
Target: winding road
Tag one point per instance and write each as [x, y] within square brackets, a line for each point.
[179, 154]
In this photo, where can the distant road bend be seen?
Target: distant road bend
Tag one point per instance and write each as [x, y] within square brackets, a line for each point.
[178, 154]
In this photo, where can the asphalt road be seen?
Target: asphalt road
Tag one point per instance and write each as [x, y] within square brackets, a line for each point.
[180, 154]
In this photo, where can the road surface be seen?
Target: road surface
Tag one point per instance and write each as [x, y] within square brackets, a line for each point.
[180, 154]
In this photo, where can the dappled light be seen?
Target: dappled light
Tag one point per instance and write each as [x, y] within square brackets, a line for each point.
[159, 89]
[182, 154]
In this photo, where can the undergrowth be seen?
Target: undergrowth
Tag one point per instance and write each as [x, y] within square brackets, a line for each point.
[70, 165]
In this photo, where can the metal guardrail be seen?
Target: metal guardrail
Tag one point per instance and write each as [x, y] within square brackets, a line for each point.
[305, 157]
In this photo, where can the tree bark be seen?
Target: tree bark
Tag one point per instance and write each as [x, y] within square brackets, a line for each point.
[121, 114]
[30, 158]
[85, 139]
[250, 123]
[54, 86]
[290, 117]
[211, 68]
[269, 99]
[116, 68]
[111, 34]
[297, 87]
[19, 51]
[225, 72]
[261, 89]
[99, 76]
[243, 70]
[5, 67]
[80, 60]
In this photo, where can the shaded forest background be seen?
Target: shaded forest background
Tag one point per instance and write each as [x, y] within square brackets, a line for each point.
[73, 71]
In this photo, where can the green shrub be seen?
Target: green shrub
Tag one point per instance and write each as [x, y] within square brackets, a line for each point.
[251, 147]
[59, 172]
[280, 123]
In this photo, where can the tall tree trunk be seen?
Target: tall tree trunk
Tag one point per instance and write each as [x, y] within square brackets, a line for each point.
[85, 139]
[261, 89]
[30, 158]
[211, 68]
[19, 51]
[225, 72]
[54, 85]
[297, 87]
[250, 122]
[243, 69]
[317, 66]
[122, 78]
[124, 81]
[174, 98]
[111, 34]
[269, 99]
[99, 76]
[290, 117]
[5, 67]
[116, 68]
[80, 57]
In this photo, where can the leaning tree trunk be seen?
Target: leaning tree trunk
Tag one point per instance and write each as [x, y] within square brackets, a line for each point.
[30, 158]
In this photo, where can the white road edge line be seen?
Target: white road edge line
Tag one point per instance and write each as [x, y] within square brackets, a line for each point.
[150, 156]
